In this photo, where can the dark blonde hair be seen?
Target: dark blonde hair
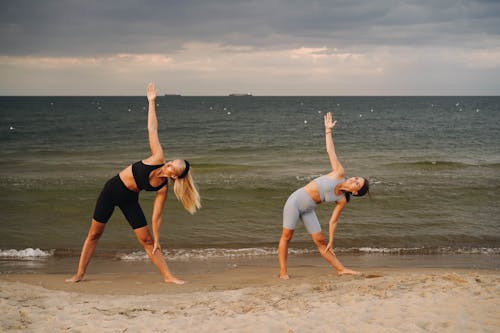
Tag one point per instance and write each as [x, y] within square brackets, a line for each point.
[187, 193]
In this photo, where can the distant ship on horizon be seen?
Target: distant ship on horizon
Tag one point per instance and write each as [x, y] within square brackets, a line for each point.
[239, 94]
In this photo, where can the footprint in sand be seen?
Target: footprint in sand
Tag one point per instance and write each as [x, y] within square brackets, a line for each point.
[372, 276]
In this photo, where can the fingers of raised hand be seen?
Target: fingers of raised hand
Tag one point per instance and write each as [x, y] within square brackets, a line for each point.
[151, 92]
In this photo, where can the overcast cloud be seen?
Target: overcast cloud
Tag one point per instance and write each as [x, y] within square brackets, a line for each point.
[269, 47]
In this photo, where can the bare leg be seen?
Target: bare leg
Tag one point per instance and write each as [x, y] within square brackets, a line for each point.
[157, 259]
[329, 256]
[95, 232]
[286, 236]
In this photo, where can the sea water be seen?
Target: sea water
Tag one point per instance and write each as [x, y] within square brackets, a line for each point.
[433, 164]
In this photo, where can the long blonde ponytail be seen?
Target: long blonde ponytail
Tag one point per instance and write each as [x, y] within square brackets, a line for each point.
[187, 193]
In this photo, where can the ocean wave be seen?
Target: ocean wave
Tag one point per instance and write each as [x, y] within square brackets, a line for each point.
[432, 164]
[212, 253]
[227, 253]
[443, 164]
[423, 250]
[307, 178]
[27, 254]
[220, 167]
[224, 253]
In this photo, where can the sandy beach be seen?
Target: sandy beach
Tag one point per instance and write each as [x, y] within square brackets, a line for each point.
[251, 299]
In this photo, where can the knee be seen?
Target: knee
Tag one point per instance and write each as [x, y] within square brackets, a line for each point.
[146, 239]
[94, 236]
[286, 236]
[320, 242]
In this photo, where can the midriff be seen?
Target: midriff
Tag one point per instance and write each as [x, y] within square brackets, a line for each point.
[128, 179]
[312, 190]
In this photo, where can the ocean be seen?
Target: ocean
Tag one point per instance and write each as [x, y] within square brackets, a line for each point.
[433, 164]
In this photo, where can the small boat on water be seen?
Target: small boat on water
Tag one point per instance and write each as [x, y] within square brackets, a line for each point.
[239, 95]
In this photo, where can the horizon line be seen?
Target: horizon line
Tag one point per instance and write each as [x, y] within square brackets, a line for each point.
[251, 96]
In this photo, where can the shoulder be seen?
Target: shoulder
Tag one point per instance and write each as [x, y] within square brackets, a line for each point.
[340, 172]
[336, 175]
[154, 160]
[341, 203]
[163, 190]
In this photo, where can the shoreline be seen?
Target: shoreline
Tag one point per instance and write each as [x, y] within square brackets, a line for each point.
[115, 265]
[252, 298]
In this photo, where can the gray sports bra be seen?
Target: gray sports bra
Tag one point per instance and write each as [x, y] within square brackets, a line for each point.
[326, 188]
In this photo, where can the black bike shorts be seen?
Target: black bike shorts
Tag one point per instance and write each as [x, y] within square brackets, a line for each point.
[115, 193]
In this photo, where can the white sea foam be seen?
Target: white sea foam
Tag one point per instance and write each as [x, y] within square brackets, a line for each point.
[224, 253]
[423, 250]
[475, 250]
[28, 253]
[308, 178]
[384, 250]
[212, 253]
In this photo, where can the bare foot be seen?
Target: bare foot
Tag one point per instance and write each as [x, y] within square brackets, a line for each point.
[75, 278]
[284, 276]
[174, 280]
[348, 271]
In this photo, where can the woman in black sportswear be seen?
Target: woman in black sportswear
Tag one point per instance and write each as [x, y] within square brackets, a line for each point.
[150, 174]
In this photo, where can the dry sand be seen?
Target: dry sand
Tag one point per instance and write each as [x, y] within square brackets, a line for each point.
[253, 299]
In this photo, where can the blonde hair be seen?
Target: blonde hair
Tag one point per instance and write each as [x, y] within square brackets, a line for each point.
[187, 193]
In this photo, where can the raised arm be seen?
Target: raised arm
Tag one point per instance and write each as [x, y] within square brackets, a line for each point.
[330, 147]
[154, 141]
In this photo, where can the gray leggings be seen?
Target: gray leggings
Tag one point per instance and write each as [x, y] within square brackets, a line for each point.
[300, 204]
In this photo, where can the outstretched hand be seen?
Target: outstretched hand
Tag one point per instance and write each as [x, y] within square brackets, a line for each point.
[328, 248]
[156, 247]
[151, 92]
[329, 122]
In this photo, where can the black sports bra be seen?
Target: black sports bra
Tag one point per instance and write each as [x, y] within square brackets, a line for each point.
[141, 173]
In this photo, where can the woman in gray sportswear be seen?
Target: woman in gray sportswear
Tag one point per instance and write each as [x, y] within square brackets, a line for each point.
[332, 187]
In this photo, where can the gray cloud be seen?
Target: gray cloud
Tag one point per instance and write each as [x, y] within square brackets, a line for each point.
[87, 28]
[283, 47]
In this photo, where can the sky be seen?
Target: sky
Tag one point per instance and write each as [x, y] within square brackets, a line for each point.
[263, 47]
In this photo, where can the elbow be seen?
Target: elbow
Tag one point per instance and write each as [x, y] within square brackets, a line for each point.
[333, 222]
[156, 218]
